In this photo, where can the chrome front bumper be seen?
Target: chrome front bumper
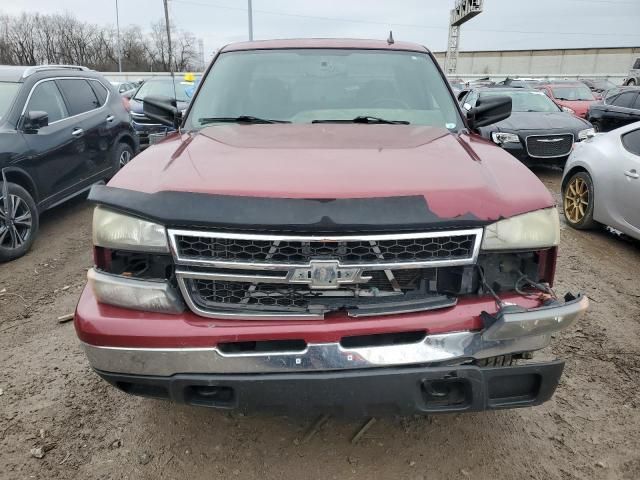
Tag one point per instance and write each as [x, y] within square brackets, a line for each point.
[448, 348]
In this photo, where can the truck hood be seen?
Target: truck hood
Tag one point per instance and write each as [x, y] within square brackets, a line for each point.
[458, 175]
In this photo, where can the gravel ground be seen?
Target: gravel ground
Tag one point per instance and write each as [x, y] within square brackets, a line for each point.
[51, 403]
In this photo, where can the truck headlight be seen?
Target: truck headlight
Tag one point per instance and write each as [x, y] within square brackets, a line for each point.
[539, 229]
[123, 232]
[131, 293]
[586, 133]
[504, 137]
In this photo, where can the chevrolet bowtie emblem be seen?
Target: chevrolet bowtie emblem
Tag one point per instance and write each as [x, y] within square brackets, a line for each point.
[327, 274]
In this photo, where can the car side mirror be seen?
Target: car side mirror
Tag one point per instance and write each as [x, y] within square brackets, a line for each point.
[489, 110]
[34, 120]
[163, 110]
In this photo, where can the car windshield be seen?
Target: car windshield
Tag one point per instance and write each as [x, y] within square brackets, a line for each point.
[164, 88]
[572, 92]
[8, 92]
[602, 85]
[311, 85]
[525, 100]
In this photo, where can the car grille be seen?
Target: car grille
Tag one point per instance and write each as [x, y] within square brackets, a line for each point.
[449, 247]
[141, 118]
[549, 145]
[248, 276]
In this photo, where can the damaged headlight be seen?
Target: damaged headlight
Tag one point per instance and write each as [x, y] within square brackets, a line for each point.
[534, 230]
[123, 232]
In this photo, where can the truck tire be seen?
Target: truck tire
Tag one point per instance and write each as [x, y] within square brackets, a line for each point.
[18, 229]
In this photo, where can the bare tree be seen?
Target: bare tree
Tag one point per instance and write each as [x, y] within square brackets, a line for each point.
[31, 39]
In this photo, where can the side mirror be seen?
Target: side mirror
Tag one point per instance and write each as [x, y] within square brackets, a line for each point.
[34, 120]
[489, 110]
[162, 109]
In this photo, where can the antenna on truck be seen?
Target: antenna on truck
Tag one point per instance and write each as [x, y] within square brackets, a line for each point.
[390, 40]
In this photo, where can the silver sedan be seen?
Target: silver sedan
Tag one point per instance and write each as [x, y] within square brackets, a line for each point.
[601, 182]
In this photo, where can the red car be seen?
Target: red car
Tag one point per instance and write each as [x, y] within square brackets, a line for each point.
[326, 232]
[574, 97]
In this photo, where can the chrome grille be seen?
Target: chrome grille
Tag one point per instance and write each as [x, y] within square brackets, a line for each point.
[249, 276]
[457, 246]
[141, 118]
[549, 146]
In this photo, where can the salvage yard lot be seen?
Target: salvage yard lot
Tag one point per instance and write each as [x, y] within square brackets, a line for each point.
[51, 400]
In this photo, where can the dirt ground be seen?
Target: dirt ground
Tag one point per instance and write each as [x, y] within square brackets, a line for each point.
[50, 398]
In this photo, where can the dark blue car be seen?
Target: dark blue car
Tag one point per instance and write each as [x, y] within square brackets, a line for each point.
[159, 86]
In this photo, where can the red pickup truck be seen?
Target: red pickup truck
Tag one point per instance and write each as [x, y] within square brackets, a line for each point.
[326, 232]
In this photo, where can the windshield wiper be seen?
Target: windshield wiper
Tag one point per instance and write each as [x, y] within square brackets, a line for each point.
[240, 119]
[364, 119]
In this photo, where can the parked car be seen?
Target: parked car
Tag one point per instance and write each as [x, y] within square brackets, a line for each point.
[633, 78]
[457, 84]
[538, 130]
[573, 97]
[601, 182]
[519, 82]
[598, 86]
[150, 130]
[325, 233]
[620, 107]
[126, 89]
[62, 129]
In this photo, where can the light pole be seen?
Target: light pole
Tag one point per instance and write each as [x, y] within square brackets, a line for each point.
[118, 39]
[166, 19]
[250, 12]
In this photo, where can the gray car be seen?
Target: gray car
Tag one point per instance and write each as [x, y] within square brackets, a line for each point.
[634, 74]
[601, 182]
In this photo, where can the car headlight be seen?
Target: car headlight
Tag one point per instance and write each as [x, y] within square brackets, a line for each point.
[504, 137]
[534, 230]
[568, 110]
[123, 232]
[586, 133]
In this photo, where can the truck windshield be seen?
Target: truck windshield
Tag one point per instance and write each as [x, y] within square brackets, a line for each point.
[8, 92]
[526, 100]
[318, 85]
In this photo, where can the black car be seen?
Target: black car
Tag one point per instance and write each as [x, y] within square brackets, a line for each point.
[538, 130]
[62, 129]
[620, 107]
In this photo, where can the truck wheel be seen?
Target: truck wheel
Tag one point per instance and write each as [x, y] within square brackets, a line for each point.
[122, 154]
[596, 125]
[18, 223]
[578, 201]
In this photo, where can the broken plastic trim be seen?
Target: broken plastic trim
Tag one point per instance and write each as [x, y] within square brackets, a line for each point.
[513, 321]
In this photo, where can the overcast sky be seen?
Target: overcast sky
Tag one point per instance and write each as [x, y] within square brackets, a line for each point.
[504, 24]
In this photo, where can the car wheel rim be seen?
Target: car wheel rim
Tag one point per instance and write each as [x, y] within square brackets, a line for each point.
[576, 200]
[16, 222]
[125, 157]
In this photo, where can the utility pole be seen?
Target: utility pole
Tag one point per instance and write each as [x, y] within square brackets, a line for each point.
[166, 20]
[250, 12]
[118, 39]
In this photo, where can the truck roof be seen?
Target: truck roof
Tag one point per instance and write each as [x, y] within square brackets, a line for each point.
[344, 43]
